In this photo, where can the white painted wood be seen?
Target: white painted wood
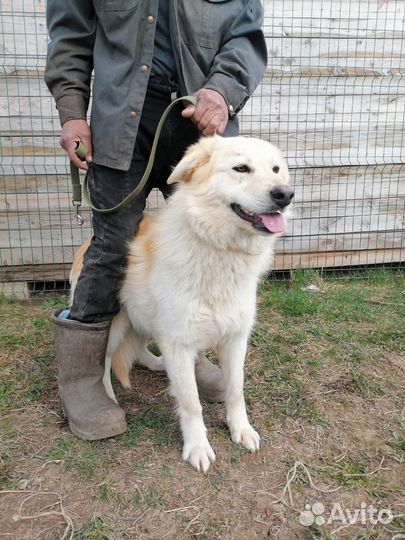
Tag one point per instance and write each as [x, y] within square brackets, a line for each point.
[15, 290]
[332, 98]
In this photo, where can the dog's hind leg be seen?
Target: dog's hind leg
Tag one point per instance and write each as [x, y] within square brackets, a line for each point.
[232, 354]
[132, 348]
[144, 356]
[210, 382]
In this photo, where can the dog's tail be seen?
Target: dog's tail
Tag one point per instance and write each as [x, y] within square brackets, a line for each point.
[121, 347]
[77, 268]
[122, 361]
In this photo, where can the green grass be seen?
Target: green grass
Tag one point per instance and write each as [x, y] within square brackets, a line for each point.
[157, 421]
[300, 335]
[94, 530]
[55, 302]
[317, 363]
[354, 474]
[397, 446]
[151, 498]
[86, 459]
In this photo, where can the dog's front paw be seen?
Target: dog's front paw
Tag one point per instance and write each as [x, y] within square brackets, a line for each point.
[246, 436]
[199, 455]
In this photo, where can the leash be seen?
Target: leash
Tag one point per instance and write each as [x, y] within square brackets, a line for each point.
[81, 152]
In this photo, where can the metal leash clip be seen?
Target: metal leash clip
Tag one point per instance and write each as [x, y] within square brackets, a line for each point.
[77, 188]
[78, 217]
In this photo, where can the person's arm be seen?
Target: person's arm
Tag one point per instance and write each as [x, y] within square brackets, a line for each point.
[235, 73]
[71, 28]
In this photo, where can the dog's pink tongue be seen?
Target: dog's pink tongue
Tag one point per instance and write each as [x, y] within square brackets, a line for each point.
[273, 222]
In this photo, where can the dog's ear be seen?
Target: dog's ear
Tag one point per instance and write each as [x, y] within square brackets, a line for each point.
[194, 159]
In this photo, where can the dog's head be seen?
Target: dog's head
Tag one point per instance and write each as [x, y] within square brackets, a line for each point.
[241, 183]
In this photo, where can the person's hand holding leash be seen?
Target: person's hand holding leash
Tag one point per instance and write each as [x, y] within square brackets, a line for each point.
[210, 114]
[75, 131]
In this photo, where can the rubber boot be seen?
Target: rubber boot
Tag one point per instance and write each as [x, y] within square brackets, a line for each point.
[80, 353]
[210, 382]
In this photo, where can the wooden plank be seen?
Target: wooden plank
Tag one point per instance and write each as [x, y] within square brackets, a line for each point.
[29, 183]
[23, 202]
[37, 255]
[38, 272]
[311, 147]
[335, 17]
[21, 86]
[371, 241]
[28, 118]
[283, 261]
[287, 261]
[44, 203]
[14, 290]
[344, 10]
[340, 235]
[311, 185]
[43, 178]
[372, 225]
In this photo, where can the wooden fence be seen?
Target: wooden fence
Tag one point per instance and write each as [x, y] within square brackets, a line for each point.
[333, 98]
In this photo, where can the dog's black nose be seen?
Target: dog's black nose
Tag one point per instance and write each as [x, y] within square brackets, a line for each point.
[282, 195]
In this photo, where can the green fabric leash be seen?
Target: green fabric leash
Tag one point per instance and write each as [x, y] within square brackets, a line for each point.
[81, 152]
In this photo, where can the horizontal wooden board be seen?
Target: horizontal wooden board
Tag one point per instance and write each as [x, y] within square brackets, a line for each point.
[285, 107]
[283, 261]
[21, 85]
[310, 148]
[37, 272]
[287, 261]
[341, 19]
[22, 202]
[310, 186]
[26, 244]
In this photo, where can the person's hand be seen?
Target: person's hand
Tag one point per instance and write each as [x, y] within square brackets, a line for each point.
[72, 132]
[211, 113]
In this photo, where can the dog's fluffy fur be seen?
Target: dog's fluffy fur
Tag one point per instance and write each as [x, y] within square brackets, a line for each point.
[192, 277]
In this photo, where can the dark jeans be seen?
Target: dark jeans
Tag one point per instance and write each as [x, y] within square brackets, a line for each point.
[96, 294]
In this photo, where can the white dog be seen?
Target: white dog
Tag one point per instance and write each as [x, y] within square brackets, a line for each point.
[192, 277]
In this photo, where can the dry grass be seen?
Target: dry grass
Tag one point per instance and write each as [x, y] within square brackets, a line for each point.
[324, 388]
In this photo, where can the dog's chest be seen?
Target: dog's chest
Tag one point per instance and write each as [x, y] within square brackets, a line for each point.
[211, 308]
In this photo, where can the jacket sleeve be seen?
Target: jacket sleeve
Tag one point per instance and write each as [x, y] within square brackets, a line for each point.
[241, 60]
[71, 27]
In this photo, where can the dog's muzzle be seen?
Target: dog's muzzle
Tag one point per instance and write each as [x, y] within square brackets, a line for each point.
[282, 195]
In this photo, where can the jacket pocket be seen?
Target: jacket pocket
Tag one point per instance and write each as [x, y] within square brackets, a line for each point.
[115, 5]
[200, 23]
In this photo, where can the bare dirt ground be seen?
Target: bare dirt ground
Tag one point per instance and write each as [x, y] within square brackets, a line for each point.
[324, 387]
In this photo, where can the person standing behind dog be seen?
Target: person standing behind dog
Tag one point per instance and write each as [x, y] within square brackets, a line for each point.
[144, 53]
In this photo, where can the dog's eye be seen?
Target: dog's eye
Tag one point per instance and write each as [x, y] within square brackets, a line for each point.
[276, 169]
[242, 169]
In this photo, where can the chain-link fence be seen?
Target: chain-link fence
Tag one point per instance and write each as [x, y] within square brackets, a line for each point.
[333, 98]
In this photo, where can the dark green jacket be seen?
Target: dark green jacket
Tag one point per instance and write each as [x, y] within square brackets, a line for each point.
[217, 44]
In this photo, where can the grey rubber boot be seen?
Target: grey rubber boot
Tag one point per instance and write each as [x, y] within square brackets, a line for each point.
[80, 352]
[210, 381]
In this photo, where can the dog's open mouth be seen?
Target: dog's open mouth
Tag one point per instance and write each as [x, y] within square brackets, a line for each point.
[270, 223]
